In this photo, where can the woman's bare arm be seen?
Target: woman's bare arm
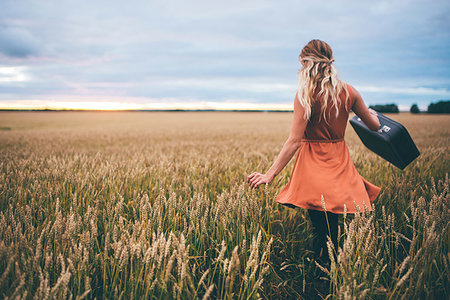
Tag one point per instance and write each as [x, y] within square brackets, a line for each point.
[289, 148]
[367, 115]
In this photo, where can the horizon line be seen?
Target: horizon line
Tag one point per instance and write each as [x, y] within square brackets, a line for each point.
[141, 110]
[166, 110]
[37, 105]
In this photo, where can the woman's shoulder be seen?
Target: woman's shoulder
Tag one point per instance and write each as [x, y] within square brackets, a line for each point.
[349, 92]
[348, 87]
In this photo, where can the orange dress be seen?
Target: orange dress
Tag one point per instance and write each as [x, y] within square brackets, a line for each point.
[323, 166]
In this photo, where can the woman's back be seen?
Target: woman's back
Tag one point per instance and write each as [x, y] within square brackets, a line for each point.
[333, 127]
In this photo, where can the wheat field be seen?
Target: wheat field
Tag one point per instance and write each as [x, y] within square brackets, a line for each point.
[131, 205]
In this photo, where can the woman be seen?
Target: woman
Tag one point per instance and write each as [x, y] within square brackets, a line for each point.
[324, 180]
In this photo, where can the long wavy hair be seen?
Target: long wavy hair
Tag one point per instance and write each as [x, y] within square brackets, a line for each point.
[318, 71]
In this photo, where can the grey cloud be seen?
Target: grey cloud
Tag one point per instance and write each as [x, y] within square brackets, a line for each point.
[18, 42]
[88, 43]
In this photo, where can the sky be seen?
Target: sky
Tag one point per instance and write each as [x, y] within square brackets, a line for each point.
[216, 54]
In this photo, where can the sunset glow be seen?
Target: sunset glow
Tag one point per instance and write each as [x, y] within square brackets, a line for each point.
[114, 105]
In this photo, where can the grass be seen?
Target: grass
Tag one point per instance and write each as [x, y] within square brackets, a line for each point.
[156, 205]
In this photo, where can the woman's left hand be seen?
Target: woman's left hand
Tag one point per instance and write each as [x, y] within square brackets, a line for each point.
[255, 179]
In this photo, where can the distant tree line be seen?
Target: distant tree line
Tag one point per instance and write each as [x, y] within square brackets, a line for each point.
[441, 107]
[385, 108]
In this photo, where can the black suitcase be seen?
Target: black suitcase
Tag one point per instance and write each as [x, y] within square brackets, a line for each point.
[392, 141]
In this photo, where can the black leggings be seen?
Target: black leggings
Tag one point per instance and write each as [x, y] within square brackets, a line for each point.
[320, 228]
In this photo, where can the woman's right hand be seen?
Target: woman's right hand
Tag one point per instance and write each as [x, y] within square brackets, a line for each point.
[255, 179]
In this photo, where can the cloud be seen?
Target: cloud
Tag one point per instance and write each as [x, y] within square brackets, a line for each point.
[18, 42]
[406, 90]
[13, 74]
[148, 51]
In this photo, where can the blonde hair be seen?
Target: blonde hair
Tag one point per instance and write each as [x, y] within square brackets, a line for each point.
[318, 70]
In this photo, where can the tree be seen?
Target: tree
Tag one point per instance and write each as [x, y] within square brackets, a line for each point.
[414, 109]
[442, 107]
[386, 108]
